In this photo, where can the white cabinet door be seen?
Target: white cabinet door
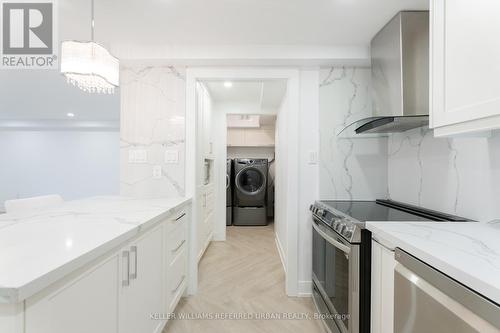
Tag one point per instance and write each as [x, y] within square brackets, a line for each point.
[382, 306]
[465, 71]
[235, 137]
[141, 292]
[206, 221]
[86, 303]
[376, 289]
[259, 137]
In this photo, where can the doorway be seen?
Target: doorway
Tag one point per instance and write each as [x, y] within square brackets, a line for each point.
[206, 157]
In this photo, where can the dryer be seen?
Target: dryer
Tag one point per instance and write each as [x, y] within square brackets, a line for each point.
[250, 187]
[229, 191]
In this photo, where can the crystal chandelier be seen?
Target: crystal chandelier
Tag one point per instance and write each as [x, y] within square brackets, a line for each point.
[88, 65]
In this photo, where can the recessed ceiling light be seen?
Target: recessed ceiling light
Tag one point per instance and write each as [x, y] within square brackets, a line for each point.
[228, 84]
[70, 114]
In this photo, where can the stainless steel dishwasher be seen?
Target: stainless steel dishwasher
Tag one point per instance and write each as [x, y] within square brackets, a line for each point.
[426, 301]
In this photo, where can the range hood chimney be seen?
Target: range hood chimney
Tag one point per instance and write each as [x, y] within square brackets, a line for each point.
[400, 75]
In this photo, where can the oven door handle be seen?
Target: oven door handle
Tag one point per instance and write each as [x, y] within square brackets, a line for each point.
[344, 248]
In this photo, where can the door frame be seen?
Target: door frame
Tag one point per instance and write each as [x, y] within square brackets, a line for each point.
[291, 213]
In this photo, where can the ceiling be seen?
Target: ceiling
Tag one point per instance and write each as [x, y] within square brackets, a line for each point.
[264, 94]
[231, 22]
[45, 95]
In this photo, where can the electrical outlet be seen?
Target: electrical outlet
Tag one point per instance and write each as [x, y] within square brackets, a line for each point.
[156, 171]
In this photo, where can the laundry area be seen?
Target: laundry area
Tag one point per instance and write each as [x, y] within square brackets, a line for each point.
[239, 122]
[250, 169]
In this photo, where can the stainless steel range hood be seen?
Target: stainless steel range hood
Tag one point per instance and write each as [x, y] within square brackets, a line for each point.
[400, 75]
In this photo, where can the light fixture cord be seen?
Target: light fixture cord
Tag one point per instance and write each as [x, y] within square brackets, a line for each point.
[92, 20]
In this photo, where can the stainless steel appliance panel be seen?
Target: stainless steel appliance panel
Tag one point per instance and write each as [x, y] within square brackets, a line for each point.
[336, 275]
[400, 66]
[426, 300]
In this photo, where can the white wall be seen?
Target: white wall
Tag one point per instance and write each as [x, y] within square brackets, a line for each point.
[352, 168]
[308, 172]
[73, 164]
[152, 119]
[280, 181]
[456, 175]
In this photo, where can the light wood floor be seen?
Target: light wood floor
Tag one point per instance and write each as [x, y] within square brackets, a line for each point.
[243, 275]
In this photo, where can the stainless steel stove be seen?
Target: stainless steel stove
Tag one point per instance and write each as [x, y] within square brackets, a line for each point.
[342, 256]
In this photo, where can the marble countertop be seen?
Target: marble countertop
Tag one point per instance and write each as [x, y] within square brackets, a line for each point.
[469, 252]
[39, 247]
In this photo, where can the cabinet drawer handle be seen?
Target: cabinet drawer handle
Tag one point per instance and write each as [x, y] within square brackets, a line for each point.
[179, 285]
[179, 246]
[126, 281]
[133, 249]
[179, 217]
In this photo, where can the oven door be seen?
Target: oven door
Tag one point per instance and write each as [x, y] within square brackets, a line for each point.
[336, 275]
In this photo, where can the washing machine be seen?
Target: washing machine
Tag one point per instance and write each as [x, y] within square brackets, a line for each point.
[250, 187]
[229, 191]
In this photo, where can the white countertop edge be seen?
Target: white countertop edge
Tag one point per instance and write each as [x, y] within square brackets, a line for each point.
[468, 280]
[17, 295]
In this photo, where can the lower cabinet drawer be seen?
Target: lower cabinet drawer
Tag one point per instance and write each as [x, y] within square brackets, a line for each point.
[178, 218]
[176, 243]
[176, 279]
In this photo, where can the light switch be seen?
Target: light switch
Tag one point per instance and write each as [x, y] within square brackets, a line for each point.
[157, 171]
[137, 156]
[171, 156]
[313, 157]
[131, 156]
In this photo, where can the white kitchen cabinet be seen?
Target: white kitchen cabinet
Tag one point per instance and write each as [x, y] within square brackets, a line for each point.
[204, 109]
[175, 277]
[382, 291]
[464, 71]
[236, 137]
[206, 221]
[86, 302]
[251, 137]
[141, 283]
[117, 292]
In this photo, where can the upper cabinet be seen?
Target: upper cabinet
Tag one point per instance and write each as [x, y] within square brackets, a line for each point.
[251, 137]
[465, 66]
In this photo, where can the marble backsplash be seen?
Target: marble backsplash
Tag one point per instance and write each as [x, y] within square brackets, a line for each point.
[350, 168]
[454, 175]
[152, 120]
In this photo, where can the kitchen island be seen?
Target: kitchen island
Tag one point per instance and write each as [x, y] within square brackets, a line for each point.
[93, 265]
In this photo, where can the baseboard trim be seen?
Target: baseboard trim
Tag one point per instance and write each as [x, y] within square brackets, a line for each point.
[305, 289]
[280, 252]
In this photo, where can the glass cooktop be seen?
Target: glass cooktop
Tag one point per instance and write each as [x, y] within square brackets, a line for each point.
[386, 210]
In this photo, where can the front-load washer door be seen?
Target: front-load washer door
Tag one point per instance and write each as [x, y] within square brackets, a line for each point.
[251, 187]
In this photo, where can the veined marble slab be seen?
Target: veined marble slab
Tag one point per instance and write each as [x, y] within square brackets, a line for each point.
[39, 247]
[469, 252]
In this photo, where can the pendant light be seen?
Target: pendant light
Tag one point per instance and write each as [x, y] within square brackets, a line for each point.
[88, 65]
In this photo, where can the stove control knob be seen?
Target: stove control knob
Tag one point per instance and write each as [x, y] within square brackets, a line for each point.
[343, 228]
[337, 225]
[320, 212]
